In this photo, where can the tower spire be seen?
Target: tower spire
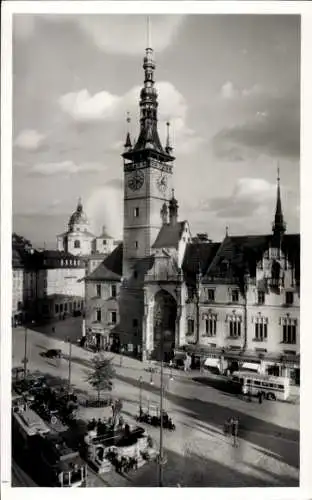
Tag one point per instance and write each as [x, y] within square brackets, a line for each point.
[279, 226]
[148, 33]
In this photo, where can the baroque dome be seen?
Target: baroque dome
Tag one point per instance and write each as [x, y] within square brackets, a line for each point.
[78, 217]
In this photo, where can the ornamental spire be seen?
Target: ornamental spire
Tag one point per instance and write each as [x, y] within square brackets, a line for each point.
[128, 144]
[173, 209]
[279, 226]
[168, 145]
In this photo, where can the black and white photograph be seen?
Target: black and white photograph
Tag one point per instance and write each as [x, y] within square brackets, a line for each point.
[155, 250]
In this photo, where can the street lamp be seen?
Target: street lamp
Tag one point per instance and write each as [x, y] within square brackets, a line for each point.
[69, 363]
[197, 296]
[140, 395]
[25, 360]
[161, 456]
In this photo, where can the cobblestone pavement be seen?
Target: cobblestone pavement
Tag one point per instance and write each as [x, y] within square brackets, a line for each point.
[198, 453]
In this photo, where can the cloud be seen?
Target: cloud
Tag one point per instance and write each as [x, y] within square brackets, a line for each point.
[274, 133]
[104, 207]
[67, 167]
[110, 33]
[230, 91]
[85, 108]
[250, 197]
[82, 106]
[29, 139]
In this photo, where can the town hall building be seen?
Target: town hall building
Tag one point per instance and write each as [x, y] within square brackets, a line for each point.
[162, 291]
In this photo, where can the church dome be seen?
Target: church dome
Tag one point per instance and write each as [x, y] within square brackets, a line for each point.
[78, 217]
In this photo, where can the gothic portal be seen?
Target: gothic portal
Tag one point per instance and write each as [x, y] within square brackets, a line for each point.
[164, 321]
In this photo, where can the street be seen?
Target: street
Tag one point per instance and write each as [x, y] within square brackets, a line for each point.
[198, 453]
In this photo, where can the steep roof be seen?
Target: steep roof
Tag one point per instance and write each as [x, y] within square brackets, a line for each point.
[169, 235]
[241, 254]
[198, 256]
[110, 268]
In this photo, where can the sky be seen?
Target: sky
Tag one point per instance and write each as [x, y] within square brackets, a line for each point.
[229, 84]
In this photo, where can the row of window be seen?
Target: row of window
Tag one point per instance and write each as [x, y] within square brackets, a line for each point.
[68, 307]
[210, 296]
[113, 291]
[235, 330]
[113, 316]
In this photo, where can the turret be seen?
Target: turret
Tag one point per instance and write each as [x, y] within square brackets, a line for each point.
[173, 210]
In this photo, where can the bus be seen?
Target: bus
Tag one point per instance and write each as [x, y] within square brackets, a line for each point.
[43, 452]
[254, 384]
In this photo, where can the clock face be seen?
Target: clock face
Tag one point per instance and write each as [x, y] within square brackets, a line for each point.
[136, 180]
[162, 183]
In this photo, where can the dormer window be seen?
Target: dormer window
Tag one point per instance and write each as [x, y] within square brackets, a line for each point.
[77, 244]
[235, 295]
[104, 242]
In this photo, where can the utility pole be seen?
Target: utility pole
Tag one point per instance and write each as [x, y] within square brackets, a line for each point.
[197, 296]
[161, 448]
[161, 457]
[69, 364]
[25, 360]
[140, 395]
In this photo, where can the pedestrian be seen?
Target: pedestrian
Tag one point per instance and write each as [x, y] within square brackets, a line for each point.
[235, 435]
[260, 398]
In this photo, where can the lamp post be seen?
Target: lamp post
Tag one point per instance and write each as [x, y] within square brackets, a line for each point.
[161, 451]
[197, 296]
[25, 360]
[69, 364]
[140, 395]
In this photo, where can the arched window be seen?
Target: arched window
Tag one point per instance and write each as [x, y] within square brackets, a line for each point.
[77, 244]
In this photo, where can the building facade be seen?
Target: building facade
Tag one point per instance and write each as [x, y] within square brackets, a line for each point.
[233, 303]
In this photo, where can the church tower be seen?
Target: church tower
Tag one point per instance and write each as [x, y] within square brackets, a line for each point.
[147, 175]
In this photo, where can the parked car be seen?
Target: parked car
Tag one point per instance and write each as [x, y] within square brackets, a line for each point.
[53, 353]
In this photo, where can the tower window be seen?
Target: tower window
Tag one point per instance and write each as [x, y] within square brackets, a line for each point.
[289, 298]
[261, 297]
[98, 290]
[135, 323]
[136, 212]
[136, 244]
[114, 317]
[114, 291]
[235, 296]
[77, 244]
[135, 274]
[211, 295]
[104, 242]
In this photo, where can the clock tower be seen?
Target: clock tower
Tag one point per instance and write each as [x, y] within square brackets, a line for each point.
[147, 176]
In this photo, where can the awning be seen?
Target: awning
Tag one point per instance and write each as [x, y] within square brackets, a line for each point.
[214, 362]
[250, 366]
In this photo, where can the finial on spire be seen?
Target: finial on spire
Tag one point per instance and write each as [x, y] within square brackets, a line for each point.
[128, 144]
[278, 173]
[168, 145]
[79, 204]
[226, 231]
[148, 33]
[172, 193]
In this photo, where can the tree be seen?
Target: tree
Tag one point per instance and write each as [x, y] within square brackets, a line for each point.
[101, 375]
